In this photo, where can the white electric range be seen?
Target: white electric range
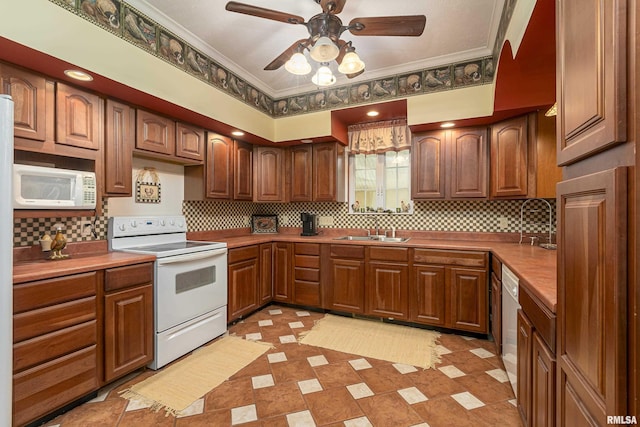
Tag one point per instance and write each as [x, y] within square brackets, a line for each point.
[190, 289]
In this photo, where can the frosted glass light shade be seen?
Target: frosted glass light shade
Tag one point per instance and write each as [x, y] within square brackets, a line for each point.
[351, 63]
[298, 64]
[323, 77]
[324, 50]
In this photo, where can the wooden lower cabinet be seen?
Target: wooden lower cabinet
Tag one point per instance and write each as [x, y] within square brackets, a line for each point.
[430, 291]
[495, 315]
[469, 300]
[243, 281]
[306, 274]
[543, 384]
[343, 278]
[523, 386]
[387, 278]
[55, 345]
[265, 290]
[282, 272]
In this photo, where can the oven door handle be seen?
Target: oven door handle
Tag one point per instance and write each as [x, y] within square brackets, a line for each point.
[191, 257]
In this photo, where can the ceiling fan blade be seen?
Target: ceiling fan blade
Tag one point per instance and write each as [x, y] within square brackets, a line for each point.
[332, 6]
[284, 56]
[261, 12]
[409, 25]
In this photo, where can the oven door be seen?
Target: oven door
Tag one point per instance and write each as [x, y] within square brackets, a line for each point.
[189, 285]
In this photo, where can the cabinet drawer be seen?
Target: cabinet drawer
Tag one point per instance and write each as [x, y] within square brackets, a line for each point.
[50, 346]
[449, 257]
[307, 249]
[307, 274]
[496, 267]
[307, 293]
[124, 277]
[45, 320]
[347, 251]
[33, 295]
[52, 385]
[241, 254]
[389, 254]
[308, 261]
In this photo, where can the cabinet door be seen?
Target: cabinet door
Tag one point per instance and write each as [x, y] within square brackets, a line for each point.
[325, 173]
[523, 385]
[265, 293]
[128, 331]
[117, 150]
[469, 300]
[509, 161]
[428, 295]
[387, 288]
[29, 109]
[79, 118]
[346, 285]
[592, 298]
[496, 312]
[428, 166]
[300, 158]
[219, 167]
[469, 163]
[243, 171]
[242, 288]
[189, 142]
[268, 165]
[155, 133]
[282, 272]
[543, 383]
[591, 61]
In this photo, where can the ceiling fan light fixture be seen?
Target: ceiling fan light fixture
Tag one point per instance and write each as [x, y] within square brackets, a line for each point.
[351, 63]
[324, 50]
[298, 65]
[323, 77]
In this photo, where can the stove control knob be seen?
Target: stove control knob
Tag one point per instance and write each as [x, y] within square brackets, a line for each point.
[162, 223]
[134, 224]
[180, 224]
[122, 227]
[172, 222]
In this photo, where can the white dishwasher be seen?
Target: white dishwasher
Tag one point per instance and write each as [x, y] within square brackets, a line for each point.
[510, 306]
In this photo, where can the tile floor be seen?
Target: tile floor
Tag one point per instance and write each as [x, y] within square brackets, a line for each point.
[299, 385]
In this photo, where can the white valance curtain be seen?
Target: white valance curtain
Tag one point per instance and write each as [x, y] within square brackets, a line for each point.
[367, 138]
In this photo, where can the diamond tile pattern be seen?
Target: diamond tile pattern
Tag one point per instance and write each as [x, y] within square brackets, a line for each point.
[299, 385]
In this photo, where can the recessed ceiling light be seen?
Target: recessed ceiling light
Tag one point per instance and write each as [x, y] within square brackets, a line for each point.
[306, 141]
[78, 75]
[372, 113]
[447, 125]
[237, 133]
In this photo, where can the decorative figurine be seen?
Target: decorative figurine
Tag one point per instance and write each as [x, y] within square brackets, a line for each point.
[356, 206]
[58, 244]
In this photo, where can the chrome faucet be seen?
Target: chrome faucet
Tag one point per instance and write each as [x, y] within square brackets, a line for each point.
[522, 222]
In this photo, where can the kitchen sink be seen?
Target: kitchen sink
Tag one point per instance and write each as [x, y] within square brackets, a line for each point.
[374, 239]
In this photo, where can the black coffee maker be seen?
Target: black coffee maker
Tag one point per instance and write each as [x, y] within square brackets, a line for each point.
[309, 224]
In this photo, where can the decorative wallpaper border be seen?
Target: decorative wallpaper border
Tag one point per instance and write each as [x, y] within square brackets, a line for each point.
[126, 22]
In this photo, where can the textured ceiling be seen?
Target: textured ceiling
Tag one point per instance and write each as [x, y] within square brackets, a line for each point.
[456, 30]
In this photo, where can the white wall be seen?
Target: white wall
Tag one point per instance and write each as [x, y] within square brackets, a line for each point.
[171, 192]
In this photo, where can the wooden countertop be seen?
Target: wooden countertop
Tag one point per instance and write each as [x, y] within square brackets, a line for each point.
[535, 267]
[29, 270]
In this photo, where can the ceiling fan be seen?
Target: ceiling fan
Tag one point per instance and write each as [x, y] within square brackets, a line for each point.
[324, 43]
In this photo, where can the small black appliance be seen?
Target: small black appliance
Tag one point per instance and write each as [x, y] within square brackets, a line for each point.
[309, 224]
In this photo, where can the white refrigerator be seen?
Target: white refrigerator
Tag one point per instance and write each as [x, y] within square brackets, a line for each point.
[6, 258]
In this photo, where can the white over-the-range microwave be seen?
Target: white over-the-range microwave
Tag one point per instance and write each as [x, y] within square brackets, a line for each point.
[38, 187]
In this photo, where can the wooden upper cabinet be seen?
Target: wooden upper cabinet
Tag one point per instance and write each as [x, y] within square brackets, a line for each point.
[79, 118]
[591, 348]
[28, 93]
[509, 159]
[243, 171]
[120, 124]
[329, 163]
[190, 142]
[219, 164]
[428, 163]
[268, 164]
[468, 175]
[155, 133]
[300, 162]
[591, 76]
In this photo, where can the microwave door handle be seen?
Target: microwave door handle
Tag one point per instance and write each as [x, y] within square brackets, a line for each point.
[191, 257]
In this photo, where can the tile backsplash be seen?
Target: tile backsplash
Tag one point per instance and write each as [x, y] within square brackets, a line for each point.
[488, 216]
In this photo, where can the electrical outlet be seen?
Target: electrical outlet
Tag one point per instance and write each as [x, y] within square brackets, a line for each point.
[503, 223]
[86, 228]
[284, 219]
[325, 220]
[246, 221]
